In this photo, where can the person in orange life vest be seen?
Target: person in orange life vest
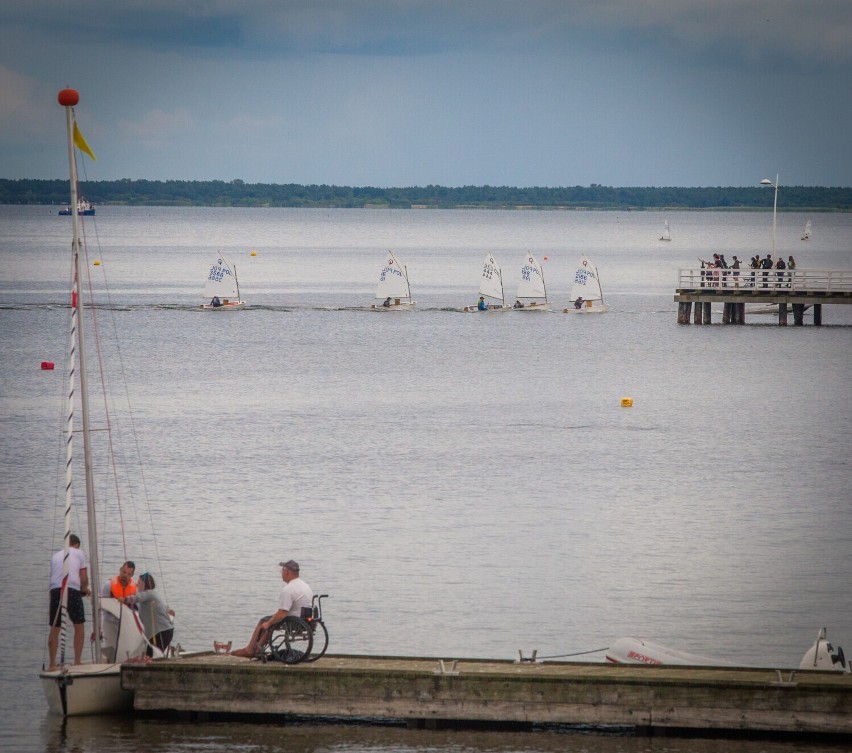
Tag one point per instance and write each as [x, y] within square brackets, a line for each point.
[121, 586]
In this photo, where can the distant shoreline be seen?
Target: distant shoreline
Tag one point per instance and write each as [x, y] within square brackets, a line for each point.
[237, 193]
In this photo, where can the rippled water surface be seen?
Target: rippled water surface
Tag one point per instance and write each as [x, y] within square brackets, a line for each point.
[473, 480]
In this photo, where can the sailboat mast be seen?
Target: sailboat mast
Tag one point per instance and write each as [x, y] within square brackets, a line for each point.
[77, 300]
[237, 280]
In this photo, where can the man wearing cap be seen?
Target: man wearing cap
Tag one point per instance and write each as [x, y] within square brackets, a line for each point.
[295, 595]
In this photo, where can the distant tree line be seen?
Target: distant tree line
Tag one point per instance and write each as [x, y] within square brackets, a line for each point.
[237, 193]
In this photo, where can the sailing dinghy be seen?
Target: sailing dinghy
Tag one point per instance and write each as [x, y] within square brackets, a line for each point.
[532, 291]
[490, 289]
[806, 233]
[222, 287]
[667, 235]
[95, 687]
[393, 289]
[586, 294]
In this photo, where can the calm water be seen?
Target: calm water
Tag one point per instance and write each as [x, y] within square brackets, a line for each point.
[472, 478]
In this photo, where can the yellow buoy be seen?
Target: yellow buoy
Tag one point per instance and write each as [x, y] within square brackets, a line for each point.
[254, 253]
[97, 263]
[627, 402]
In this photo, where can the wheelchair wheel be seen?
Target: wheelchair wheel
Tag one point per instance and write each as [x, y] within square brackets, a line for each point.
[291, 641]
[320, 640]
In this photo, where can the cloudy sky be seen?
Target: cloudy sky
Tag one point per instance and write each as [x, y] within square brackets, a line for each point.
[450, 92]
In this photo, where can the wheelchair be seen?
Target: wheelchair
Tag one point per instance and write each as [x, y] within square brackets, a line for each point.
[298, 639]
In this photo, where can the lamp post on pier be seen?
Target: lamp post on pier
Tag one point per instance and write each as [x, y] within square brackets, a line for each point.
[767, 182]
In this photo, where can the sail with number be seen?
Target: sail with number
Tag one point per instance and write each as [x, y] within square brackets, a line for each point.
[393, 287]
[586, 293]
[222, 288]
[532, 283]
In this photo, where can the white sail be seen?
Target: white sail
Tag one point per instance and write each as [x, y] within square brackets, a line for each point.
[532, 280]
[587, 284]
[222, 281]
[393, 281]
[807, 232]
[491, 284]
[667, 235]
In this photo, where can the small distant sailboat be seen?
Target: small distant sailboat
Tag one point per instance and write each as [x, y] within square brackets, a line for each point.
[532, 291]
[806, 233]
[393, 289]
[586, 293]
[222, 288]
[490, 289]
[667, 233]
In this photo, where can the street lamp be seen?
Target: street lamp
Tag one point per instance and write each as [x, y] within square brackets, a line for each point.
[767, 182]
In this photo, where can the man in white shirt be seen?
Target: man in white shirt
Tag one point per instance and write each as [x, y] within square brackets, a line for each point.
[77, 585]
[295, 595]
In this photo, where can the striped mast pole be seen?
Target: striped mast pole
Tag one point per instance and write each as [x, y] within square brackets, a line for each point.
[68, 98]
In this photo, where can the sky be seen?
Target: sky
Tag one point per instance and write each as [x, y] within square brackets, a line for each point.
[448, 92]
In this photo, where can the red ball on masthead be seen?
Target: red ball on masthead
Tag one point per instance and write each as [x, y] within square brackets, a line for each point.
[68, 97]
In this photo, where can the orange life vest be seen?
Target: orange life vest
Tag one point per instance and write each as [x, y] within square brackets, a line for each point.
[119, 591]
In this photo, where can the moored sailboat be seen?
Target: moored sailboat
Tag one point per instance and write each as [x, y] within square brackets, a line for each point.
[222, 286]
[532, 290]
[87, 688]
[84, 208]
[586, 293]
[491, 294]
[393, 288]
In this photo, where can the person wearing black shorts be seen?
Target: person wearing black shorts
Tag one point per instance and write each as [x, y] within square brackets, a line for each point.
[77, 584]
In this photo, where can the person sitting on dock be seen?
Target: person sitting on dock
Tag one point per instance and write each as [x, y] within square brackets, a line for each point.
[294, 596]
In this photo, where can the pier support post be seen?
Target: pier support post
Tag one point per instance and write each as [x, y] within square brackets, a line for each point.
[727, 314]
[798, 314]
[817, 314]
[782, 314]
[740, 313]
[706, 313]
[698, 317]
[683, 312]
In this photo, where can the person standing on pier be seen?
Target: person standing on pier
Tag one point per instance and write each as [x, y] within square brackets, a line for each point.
[766, 264]
[294, 596]
[735, 265]
[780, 275]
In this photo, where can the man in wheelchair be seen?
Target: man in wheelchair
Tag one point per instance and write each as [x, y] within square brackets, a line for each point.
[294, 596]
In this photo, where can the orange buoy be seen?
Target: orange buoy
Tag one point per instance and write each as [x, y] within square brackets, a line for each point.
[97, 263]
[47, 365]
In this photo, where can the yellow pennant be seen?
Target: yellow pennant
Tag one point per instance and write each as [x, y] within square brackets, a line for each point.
[81, 144]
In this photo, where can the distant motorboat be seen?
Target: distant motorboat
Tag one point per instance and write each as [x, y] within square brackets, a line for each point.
[84, 208]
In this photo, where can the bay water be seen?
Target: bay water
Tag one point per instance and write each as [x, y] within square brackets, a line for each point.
[460, 485]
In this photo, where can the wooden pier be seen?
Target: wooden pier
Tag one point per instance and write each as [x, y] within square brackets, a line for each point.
[426, 692]
[796, 290]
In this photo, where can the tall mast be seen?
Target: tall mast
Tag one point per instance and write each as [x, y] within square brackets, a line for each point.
[68, 98]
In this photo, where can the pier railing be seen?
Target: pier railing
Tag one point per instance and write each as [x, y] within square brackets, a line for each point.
[825, 281]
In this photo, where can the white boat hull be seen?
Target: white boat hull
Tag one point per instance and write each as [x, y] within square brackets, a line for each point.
[535, 307]
[86, 689]
[600, 308]
[493, 308]
[226, 305]
[394, 306]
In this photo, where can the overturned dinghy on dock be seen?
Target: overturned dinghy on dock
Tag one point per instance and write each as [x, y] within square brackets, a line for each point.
[821, 656]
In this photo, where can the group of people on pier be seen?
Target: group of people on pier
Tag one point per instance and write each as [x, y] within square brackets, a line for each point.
[718, 273]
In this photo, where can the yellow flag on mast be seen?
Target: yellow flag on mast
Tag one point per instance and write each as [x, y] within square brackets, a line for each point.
[81, 144]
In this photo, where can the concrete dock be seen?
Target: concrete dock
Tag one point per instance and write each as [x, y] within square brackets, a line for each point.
[427, 692]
